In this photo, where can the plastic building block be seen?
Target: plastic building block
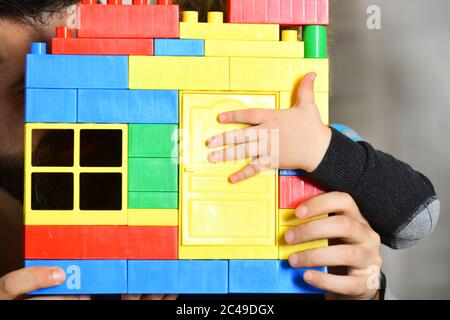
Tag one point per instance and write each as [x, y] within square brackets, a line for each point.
[76, 72]
[178, 277]
[100, 243]
[127, 106]
[153, 174]
[210, 204]
[272, 74]
[153, 141]
[296, 173]
[51, 105]
[286, 13]
[129, 22]
[86, 276]
[289, 47]
[153, 200]
[256, 276]
[179, 47]
[179, 73]
[349, 132]
[76, 215]
[215, 29]
[293, 191]
[289, 99]
[315, 38]
[64, 43]
[285, 250]
[151, 243]
[153, 217]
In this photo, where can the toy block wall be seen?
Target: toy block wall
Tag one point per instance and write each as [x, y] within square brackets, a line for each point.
[131, 96]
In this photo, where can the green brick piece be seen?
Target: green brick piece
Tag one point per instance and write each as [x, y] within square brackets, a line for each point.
[153, 200]
[315, 38]
[153, 140]
[153, 174]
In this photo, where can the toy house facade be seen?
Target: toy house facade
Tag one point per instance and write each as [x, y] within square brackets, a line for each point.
[157, 217]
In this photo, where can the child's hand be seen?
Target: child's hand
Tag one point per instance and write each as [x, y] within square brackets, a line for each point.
[289, 139]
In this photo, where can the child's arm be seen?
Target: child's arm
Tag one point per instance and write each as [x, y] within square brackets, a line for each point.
[399, 203]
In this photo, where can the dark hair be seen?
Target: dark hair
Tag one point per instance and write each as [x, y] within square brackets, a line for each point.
[32, 10]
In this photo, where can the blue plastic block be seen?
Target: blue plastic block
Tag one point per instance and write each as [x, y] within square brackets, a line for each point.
[51, 105]
[296, 173]
[349, 132]
[178, 276]
[75, 71]
[179, 47]
[87, 276]
[128, 106]
[268, 276]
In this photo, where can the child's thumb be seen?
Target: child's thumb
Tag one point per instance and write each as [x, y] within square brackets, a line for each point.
[305, 94]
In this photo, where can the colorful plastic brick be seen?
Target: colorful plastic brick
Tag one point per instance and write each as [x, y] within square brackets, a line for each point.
[153, 141]
[76, 215]
[128, 21]
[349, 132]
[297, 173]
[286, 13]
[153, 217]
[289, 47]
[127, 106]
[86, 276]
[64, 43]
[51, 105]
[179, 47]
[100, 242]
[153, 200]
[178, 277]
[75, 71]
[293, 191]
[179, 73]
[268, 276]
[315, 38]
[153, 175]
[272, 74]
[215, 29]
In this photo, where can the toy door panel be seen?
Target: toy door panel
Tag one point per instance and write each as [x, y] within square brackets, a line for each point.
[199, 122]
[215, 212]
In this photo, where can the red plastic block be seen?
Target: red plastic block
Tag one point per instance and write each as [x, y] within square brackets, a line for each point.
[65, 44]
[152, 243]
[100, 242]
[283, 12]
[138, 20]
[293, 191]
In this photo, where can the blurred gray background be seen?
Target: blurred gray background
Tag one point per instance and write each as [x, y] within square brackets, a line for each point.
[393, 87]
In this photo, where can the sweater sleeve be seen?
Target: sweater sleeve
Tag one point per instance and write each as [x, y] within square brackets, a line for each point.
[399, 203]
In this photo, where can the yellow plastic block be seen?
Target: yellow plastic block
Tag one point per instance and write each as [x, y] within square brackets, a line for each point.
[75, 216]
[178, 73]
[276, 74]
[263, 49]
[153, 217]
[215, 29]
[286, 250]
[288, 99]
[287, 218]
[220, 220]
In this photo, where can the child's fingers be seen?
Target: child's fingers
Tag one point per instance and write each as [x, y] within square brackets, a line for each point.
[237, 152]
[305, 94]
[246, 173]
[344, 285]
[233, 137]
[250, 116]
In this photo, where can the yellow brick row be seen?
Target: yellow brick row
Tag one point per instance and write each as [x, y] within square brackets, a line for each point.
[153, 217]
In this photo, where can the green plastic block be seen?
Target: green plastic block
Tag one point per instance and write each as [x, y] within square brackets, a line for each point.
[315, 39]
[153, 140]
[153, 200]
[153, 174]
